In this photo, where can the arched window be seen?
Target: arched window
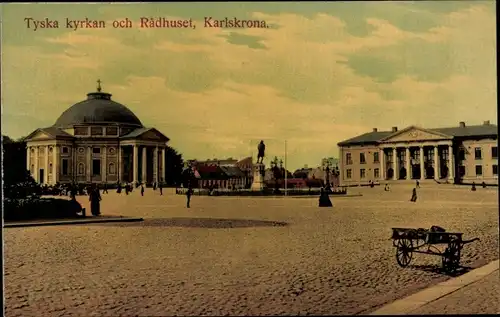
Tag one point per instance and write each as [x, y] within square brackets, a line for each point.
[32, 170]
[112, 169]
[81, 169]
[50, 168]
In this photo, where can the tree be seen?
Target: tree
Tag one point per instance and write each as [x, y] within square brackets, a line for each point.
[174, 165]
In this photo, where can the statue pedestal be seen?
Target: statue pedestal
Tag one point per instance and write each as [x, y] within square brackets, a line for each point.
[258, 176]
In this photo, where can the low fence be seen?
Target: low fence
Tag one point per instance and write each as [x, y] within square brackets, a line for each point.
[265, 192]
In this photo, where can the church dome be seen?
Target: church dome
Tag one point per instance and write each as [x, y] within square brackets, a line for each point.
[98, 108]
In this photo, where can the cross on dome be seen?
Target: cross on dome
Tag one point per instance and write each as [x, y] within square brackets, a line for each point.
[99, 85]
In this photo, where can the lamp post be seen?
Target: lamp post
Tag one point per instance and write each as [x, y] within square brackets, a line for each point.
[327, 178]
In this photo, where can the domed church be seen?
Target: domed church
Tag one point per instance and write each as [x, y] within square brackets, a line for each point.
[97, 140]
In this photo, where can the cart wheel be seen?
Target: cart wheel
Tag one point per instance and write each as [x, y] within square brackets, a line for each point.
[451, 257]
[404, 252]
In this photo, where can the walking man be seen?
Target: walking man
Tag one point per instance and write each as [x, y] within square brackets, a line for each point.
[414, 195]
[161, 188]
[142, 189]
[188, 196]
[105, 188]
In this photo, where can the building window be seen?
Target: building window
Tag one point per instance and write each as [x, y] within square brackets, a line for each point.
[111, 130]
[50, 168]
[348, 174]
[32, 150]
[32, 168]
[479, 170]
[81, 131]
[494, 152]
[51, 149]
[348, 159]
[96, 131]
[96, 150]
[65, 150]
[376, 158]
[477, 153]
[81, 169]
[362, 159]
[65, 166]
[111, 169]
[495, 170]
[376, 173]
[362, 173]
[96, 167]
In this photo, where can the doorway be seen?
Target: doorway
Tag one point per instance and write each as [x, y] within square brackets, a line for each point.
[41, 176]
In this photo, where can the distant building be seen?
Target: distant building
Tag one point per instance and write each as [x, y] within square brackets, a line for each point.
[226, 173]
[462, 154]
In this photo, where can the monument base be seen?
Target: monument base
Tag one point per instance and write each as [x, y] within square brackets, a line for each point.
[258, 177]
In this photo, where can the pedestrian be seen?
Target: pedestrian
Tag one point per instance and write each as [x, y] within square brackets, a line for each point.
[105, 188]
[127, 188]
[386, 188]
[142, 189]
[161, 188]
[189, 193]
[324, 199]
[484, 185]
[414, 195]
[473, 187]
[154, 185]
[95, 201]
[119, 188]
[418, 184]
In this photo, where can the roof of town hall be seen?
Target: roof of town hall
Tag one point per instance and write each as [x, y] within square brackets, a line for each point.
[460, 132]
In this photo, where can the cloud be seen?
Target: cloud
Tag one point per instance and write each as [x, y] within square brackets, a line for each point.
[308, 79]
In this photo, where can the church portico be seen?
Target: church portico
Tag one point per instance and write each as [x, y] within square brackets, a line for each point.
[97, 141]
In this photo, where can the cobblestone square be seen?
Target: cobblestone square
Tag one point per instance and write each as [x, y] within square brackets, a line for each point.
[240, 256]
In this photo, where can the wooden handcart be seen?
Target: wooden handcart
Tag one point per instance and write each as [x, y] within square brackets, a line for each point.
[408, 241]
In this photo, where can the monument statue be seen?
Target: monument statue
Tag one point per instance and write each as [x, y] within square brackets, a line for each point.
[261, 150]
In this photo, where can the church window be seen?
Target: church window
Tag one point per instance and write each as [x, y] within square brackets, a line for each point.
[51, 149]
[112, 169]
[96, 150]
[96, 167]
[32, 150]
[111, 130]
[65, 166]
[50, 168]
[81, 131]
[32, 168]
[81, 169]
[96, 131]
[65, 150]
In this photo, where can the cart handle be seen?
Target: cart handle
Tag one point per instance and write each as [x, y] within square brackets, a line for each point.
[469, 241]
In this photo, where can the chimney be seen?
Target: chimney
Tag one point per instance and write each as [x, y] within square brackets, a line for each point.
[394, 129]
[375, 130]
[486, 122]
[462, 124]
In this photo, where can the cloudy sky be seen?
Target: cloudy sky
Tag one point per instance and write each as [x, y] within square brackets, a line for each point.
[321, 73]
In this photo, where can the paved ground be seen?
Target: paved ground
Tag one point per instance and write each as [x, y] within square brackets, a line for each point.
[481, 297]
[230, 256]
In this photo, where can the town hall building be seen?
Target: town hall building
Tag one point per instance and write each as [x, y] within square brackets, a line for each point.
[462, 154]
[97, 140]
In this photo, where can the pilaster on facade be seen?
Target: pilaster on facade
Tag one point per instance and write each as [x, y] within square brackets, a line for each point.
[408, 163]
[136, 163]
[163, 159]
[144, 166]
[46, 165]
[422, 169]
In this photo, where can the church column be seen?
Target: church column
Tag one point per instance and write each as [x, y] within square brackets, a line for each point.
[422, 170]
[382, 164]
[46, 168]
[120, 163]
[394, 164]
[436, 162]
[136, 163]
[88, 170]
[451, 164]
[104, 168]
[155, 161]
[28, 163]
[144, 166]
[36, 172]
[55, 164]
[408, 166]
[163, 159]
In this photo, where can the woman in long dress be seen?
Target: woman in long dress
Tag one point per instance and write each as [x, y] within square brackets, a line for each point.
[95, 202]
